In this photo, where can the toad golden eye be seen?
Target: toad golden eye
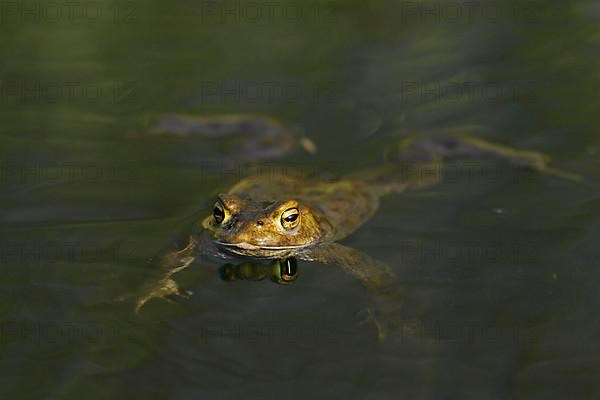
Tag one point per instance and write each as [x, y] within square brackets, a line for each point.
[290, 218]
[218, 213]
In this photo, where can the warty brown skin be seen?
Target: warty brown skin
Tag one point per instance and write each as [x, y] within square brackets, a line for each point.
[253, 224]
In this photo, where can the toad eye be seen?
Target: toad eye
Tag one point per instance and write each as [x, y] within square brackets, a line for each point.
[218, 213]
[290, 218]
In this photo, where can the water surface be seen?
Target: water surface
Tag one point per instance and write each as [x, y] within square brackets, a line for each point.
[521, 325]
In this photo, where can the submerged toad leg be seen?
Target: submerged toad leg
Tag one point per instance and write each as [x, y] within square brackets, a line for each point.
[162, 285]
[376, 276]
[372, 273]
[436, 149]
[413, 163]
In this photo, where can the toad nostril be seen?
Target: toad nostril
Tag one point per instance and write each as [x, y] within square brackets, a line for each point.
[260, 223]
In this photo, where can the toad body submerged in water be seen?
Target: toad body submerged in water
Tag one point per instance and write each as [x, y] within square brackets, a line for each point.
[278, 219]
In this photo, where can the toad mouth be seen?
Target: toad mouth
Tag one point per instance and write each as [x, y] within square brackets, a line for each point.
[250, 246]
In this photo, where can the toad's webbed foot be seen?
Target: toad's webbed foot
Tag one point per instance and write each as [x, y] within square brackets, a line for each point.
[161, 285]
[164, 288]
[371, 315]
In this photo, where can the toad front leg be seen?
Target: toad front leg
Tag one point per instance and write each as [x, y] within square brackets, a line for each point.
[161, 284]
[376, 276]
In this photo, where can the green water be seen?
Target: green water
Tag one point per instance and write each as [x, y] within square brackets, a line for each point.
[348, 75]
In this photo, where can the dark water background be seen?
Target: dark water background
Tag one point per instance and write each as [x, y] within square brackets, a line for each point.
[524, 325]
